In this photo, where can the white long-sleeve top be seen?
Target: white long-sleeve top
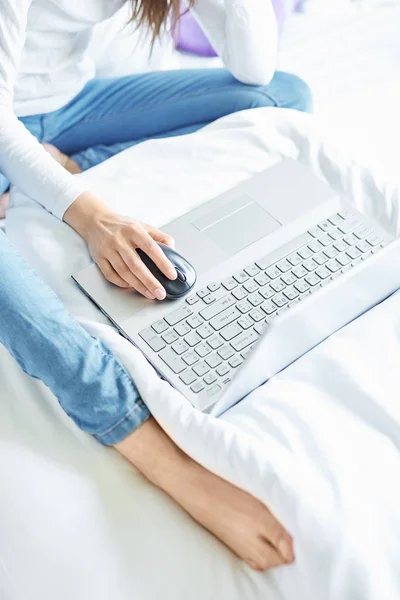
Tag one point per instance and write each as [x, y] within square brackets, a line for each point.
[44, 64]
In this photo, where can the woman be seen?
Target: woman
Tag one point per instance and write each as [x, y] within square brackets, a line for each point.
[48, 95]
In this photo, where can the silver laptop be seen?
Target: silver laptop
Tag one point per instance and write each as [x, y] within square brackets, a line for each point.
[282, 263]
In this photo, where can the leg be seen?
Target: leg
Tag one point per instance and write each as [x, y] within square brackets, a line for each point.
[90, 383]
[95, 390]
[118, 113]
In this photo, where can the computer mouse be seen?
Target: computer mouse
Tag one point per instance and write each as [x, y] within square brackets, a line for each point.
[174, 288]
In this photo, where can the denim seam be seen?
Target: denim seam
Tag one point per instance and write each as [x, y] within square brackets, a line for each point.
[139, 405]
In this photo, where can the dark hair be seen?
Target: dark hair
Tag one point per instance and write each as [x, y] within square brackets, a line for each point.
[154, 14]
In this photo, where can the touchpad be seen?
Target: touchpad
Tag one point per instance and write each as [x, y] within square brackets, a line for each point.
[237, 224]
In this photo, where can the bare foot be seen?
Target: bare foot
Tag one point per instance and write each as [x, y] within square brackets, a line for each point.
[64, 160]
[4, 200]
[240, 521]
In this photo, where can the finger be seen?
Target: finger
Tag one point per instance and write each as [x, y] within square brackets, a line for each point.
[139, 270]
[161, 236]
[126, 274]
[111, 275]
[144, 241]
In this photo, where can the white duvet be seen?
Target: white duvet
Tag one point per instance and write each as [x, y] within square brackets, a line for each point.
[319, 443]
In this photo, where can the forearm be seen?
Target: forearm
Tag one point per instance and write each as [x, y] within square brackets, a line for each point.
[90, 383]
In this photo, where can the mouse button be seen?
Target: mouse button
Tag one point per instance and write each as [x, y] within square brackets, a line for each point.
[180, 276]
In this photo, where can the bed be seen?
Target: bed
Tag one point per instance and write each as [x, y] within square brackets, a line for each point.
[319, 442]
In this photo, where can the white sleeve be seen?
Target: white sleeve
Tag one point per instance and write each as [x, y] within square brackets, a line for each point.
[22, 159]
[244, 34]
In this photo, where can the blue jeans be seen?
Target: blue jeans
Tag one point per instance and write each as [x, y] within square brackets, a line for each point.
[90, 383]
[106, 117]
[110, 115]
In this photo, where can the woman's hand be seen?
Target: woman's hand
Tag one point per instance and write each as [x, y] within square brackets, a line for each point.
[112, 242]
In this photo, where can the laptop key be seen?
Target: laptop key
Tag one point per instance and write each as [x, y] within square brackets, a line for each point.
[363, 246]
[170, 336]
[180, 347]
[152, 339]
[182, 329]
[192, 300]
[321, 258]
[210, 378]
[374, 239]
[201, 368]
[279, 300]
[351, 239]
[190, 358]
[197, 387]
[294, 259]
[302, 286]
[213, 287]
[273, 272]
[251, 270]
[202, 293]
[188, 376]
[325, 225]
[326, 240]
[315, 246]
[251, 286]
[266, 292]
[261, 279]
[215, 342]
[192, 339]
[226, 352]
[268, 307]
[291, 293]
[235, 361]
[343, 259]
[244, 306]
[323, 272]
[335, 220]
[278, 285]
[284, 265]
[349, 225]
[315, 231]
[205, 331]
[305, 253]
[178, 315]
[223, 370]
[331, 252]
[213, 360]
[299, 271]
[174, 362]
[228, 333]
[195, 321]
[214, 389]
[244, 340]
[240, 277]
[217, 307]
[333, 265]
[225, 318]
[288, 278]
[240, 293]
[229, 284]
[209, 299]
[245, 322]
[340, 245]
[257, 315]
[312, 279]
[160, 326]
[255, 299]
[353, 252]
[203, 349]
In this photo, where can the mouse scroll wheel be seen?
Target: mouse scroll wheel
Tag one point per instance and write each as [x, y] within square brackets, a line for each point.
[181, 276]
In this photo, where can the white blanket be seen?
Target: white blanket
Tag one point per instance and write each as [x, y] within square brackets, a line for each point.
[318, 443]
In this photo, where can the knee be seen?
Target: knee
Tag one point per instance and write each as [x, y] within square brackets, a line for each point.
[300, 95]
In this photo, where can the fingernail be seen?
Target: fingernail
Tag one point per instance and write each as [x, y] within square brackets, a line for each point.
[172, 274]
[285, 549]
[159, 293]
[149, 295]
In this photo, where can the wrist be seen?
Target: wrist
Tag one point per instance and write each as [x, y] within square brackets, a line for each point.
[86, 210]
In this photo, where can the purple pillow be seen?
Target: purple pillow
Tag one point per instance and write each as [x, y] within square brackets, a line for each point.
[189, 36]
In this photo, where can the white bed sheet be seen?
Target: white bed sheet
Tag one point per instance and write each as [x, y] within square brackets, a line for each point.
[319, 443]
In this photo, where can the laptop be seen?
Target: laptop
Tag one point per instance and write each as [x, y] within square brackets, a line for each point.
[282, 263]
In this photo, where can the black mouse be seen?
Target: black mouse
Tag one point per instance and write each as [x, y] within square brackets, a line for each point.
[174, 288]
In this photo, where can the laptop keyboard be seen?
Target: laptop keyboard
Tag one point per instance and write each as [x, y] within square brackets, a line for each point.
[205, 340]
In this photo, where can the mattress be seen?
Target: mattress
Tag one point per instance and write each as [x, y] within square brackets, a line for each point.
[319, 443]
